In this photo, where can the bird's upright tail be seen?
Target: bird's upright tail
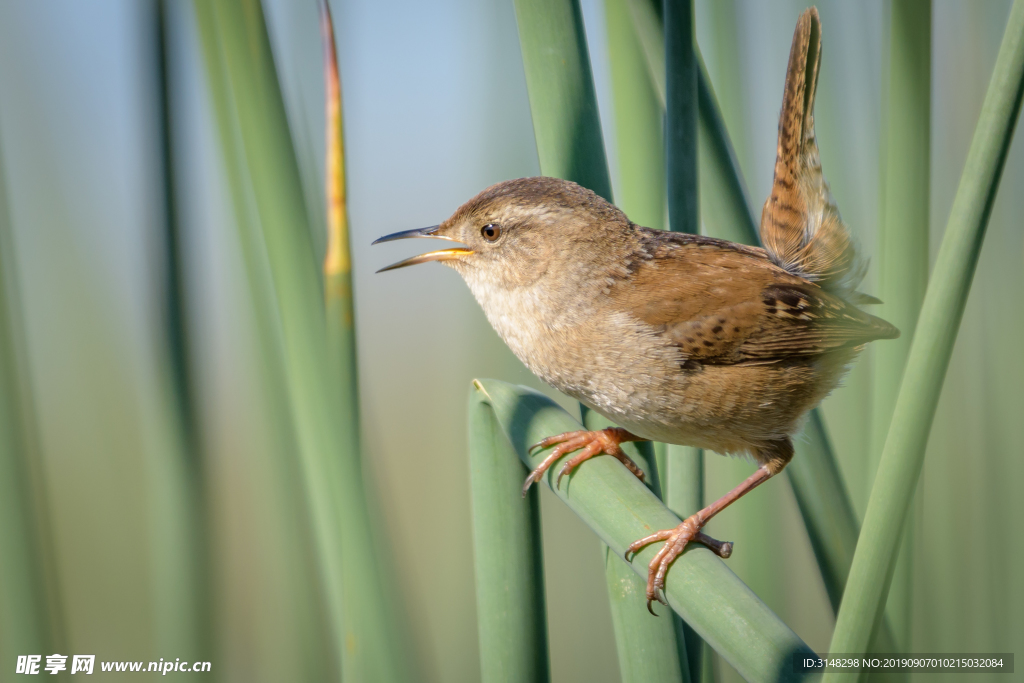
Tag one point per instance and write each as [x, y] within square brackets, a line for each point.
[800, 224]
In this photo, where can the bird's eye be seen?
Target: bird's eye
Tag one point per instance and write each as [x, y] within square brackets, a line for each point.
[491, 232]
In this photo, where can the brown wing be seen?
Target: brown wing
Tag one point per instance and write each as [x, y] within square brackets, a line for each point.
[805, 320]
[725, 304]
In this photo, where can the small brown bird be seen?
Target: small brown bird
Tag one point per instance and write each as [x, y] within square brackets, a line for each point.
[677, 338]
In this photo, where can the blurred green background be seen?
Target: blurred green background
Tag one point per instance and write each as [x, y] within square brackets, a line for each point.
[128, 465]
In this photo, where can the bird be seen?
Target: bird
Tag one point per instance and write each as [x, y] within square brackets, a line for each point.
[678, 338]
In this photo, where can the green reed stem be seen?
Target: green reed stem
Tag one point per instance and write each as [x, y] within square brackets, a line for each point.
[262, 163]
[649, 649]
[375, 641]
[903, 456]
[560, 84]
[192, 596]
[620, 509]
[30, 608]
[903, 243]
[507, 556]
[639, 139]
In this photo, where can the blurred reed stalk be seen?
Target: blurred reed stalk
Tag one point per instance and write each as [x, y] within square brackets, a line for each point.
[193, 510]
[375, 641]
[946, 296]
[902, 245]
[311, 348]
[567, 128]
[30, 608]
[511, 618]
[619, 509]
[269, 355]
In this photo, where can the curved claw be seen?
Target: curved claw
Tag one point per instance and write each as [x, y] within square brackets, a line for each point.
[558, 438]
[592, 442]
[638, 545]
[528, 484]
[658, 596]
[561, 473]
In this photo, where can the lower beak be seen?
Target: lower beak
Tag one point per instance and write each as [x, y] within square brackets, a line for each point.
[441, 255]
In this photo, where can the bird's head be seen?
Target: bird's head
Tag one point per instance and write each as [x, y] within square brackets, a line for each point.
[516, 231]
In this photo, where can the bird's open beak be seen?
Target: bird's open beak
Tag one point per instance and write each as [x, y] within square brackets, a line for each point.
[441, 255]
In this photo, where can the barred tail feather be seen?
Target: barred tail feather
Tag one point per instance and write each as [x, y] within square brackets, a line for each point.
[800, 225]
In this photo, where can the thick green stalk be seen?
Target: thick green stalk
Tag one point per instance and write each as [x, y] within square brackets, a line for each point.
[256, 136]
[725, 204]
[684, 480]
[507, 556]
[267, 342]
[725, 207]
[903, 455]
[566, 123]
[620, 509]
[639, 142]
[649, 649]
[903, 242]
[681, 117]
[375, 640]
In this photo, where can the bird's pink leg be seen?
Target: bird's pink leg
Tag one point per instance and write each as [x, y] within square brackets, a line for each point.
[690, 530]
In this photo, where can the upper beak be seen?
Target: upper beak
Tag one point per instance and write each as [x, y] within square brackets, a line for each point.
[441, 255]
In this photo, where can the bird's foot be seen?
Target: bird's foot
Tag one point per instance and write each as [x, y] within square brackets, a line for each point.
[676, 540]
[593, 443]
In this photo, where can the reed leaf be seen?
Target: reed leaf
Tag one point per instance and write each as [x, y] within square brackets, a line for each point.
[261, 292]
[639, 142]
[30, 614]
[725, 203]
[375, 640]
[903, 456]
[902, 243]
[269, 362]
[648, 649]
[261, 159]
[507, 556]
[194, 594]
[563, 104]
[620, 509]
